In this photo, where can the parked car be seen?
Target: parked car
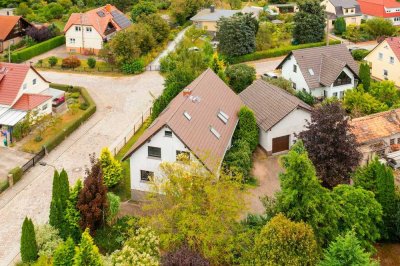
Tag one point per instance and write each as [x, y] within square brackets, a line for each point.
[271, 75]
[58, 101]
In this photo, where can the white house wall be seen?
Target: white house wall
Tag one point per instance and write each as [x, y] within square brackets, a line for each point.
[295, 77]
[29, 87]
[292, 124]
[92, 39]
[140, 160]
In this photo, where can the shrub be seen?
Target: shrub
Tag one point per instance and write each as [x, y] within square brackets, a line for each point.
[47, 239]
[37, 49]
[17, 174]
[282, 83]
[305, 97]
[83, 106]
[184, 256]
[87, 253]
[112, 169]
[64, 254]
[359, 54]
[134, 67]
[340, 26]
[240, 76]
[53, 61]
[71, 62]
[91, 62]
[247, 128]
[113, 202]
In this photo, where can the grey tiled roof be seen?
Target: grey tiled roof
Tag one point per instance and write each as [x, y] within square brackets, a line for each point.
[207, 15]
[269, 103]
[344, 3]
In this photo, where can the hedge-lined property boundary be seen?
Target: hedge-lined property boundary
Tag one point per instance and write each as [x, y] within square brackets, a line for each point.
[72, 126]
[276, 52]
[16, 174]
[37, 49]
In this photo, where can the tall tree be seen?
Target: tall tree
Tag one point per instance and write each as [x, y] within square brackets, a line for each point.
[92, 201]
[247, 128]
[237, 34]
[87, 253]
[309, 22]
[330, 145]
[64, 254]
[340, 26]
[302, 198]
[240, 76]
[58, 205]
[346, 250]
[283, 242]
[365, 76]
[112, 168]
[29, 250]
[72, 214]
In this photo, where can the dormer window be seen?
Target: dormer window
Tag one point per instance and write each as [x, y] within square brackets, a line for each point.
[223, 117]
[215, 132]
[187, 115]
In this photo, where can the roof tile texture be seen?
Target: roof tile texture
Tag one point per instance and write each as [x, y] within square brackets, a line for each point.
[377, 8]
[29, 102]
[12, 81]
[7, 23]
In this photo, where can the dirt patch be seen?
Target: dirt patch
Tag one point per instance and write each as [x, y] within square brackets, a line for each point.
[388, 254]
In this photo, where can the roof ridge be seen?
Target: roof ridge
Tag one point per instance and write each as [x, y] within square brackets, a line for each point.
[371, 116]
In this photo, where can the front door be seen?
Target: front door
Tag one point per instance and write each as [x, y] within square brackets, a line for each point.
[280, 144]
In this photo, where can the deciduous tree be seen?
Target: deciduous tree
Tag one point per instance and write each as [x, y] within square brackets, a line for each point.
[309, 22]
[240, 76]
[330, 145]
[142, 8]
[184, 256]
[378, 27]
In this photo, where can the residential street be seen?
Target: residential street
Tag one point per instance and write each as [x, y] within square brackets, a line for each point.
[120, 101]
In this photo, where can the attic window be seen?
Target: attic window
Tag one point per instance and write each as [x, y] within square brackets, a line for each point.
[215, 132]
[187, 115]
[311, 71]
[223, 116]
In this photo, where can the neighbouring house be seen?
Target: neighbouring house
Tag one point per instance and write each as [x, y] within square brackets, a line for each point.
[199, 122]
[23, 90]
[326, 71]
[7, 11]
[279, 114]
[377, 134]
[276, 9]
[387, 9]
[384, 60]
[349, 10]
[87, 32]
[12, 30]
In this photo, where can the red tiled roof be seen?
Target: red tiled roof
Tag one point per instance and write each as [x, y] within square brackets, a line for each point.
[92, 18]
[7, 24]
[394, 43]
[377, 8]
[213, 96]
[29, 101]
[12, 81]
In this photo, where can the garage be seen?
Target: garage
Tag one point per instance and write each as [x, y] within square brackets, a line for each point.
[280, 144]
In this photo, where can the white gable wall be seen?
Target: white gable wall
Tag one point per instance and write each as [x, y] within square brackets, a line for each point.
[295, 77]
[292, 124]
[319, 92]
[28, 85]
[92, 38]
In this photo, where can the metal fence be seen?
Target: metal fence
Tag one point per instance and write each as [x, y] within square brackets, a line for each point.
[82, 69]
[119, 144]
[153, 68]
[32, 162]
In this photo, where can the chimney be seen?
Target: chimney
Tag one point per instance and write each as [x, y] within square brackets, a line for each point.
[212, 8]
[108, 8]
[186, 92]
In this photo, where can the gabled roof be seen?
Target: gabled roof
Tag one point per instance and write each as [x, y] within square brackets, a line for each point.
[270, 103]
[12, 77]
[30, 101]
[99, 19]
[370, 128]
[394, 43]
[377, 8]
[207, 15]
[318, 65]
[7, 24]
[340, 4]
[209, 96]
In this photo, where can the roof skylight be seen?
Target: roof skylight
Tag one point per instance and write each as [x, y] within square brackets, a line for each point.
[311, 71]
[215, 132]
[223, 116]
[187, 115]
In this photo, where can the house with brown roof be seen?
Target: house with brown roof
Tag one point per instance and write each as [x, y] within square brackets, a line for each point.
[384, 60]
[87, 32]
[377, 134]
[23, 90]
[279, 114]
[199, 122]
[12, 30]
[326, 71]
[349, 10]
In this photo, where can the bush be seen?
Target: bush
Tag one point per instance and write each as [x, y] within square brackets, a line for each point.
[83, 106]
[240, 76]
[37, 49]
[305, 97]
[275, 52]
[47, 239]
[114, 203]
[359, 54]
[17, 174]
[112, 169]
[53, 61]
[134, 67]
[91, 62]
[71, 62]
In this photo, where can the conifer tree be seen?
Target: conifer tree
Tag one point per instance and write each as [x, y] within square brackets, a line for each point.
[365, 76]
[112, 168]
[87, 253]
[29, 250]
[64, 254]
[72, 214]
[58, 205]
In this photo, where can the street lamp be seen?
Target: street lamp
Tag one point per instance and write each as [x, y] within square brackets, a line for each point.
[46, 164]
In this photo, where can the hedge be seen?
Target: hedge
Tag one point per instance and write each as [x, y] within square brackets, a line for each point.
[16, 173]
[275, 52]
[37, 49]
[72, 126]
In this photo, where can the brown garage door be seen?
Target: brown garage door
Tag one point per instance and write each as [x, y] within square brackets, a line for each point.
[280, 144]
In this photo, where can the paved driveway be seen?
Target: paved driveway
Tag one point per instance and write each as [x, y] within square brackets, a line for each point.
[10, 158]
[120, 101]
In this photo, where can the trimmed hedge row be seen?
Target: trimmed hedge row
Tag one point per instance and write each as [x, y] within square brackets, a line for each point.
[17, 175]
[37, 49]
[71, 127]
[275, 52]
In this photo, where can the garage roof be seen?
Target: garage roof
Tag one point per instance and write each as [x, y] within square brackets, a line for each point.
[11, 117]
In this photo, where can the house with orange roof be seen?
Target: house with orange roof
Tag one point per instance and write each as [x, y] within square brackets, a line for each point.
[12, 30]
[387, 9]
[377, 134]
[87, 32]
[384, 60]
[23, 90]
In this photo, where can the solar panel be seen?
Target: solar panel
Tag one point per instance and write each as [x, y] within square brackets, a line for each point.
[101, 13]
[122, 21]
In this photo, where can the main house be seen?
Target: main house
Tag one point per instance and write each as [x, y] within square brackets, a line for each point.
[377, 134]
[349, 10]
[23, 90]
[12, 30]
[199, 122]
[279, 114]
[87, 32]
[387, 9]
[384, 60]
[326, 71]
